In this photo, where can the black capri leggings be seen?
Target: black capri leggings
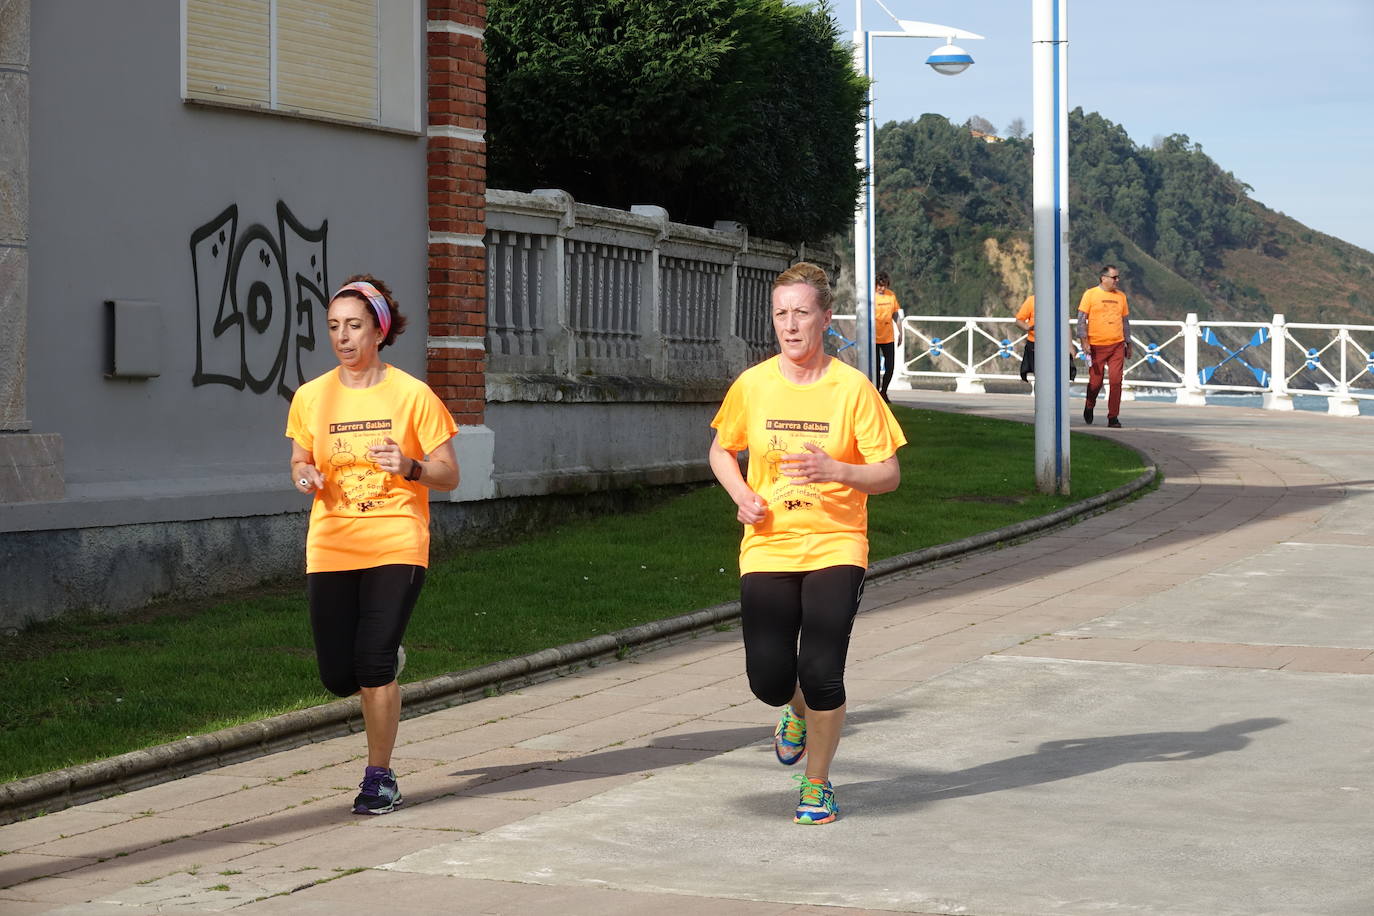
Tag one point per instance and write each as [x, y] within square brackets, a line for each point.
[887, 360]
[796, 631]
[358, 617]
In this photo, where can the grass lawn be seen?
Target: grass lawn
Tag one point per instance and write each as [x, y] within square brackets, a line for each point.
[83, 688]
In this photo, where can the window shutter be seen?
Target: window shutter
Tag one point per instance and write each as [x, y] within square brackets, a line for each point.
[327, 57]
[227, 51]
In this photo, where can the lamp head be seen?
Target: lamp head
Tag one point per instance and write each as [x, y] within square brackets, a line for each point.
[949, 59]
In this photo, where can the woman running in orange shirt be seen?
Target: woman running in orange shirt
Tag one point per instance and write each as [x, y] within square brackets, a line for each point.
[355, 432]
[820, 440]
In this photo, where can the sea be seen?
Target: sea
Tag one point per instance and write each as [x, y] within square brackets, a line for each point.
[1312, 402]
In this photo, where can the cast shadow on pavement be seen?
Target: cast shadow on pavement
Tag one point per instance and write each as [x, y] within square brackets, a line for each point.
[577, 767]
[1051, 762]
[331, 809]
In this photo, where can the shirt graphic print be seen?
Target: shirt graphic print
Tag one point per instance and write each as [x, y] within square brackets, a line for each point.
[790, 437]
[362, 484]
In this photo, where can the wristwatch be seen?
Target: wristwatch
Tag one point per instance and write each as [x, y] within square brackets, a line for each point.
[416, 469]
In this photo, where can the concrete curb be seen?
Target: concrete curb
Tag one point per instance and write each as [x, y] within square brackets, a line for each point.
[86, 782]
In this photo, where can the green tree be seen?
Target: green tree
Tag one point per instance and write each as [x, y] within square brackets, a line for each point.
[1200, 208]
[1111, 175]
[713, 109]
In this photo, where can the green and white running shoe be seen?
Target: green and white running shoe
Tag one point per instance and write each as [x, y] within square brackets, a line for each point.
[789, 738]
[817, 804]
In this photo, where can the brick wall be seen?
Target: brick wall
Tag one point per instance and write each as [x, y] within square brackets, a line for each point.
[457, 202]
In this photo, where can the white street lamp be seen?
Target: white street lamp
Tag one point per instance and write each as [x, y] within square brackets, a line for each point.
[948, 60]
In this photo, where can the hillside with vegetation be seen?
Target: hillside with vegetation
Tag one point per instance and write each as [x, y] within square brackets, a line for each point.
[954, 228]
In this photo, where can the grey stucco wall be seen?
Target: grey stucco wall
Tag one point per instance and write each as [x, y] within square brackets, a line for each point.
[123, 175]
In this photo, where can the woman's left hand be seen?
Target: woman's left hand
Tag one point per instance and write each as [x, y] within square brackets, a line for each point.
[811, 466]
[389, 457]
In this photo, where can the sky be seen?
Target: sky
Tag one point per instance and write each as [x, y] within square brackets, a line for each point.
[1279, 94]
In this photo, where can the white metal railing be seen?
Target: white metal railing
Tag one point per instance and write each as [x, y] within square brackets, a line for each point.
[1193, 358]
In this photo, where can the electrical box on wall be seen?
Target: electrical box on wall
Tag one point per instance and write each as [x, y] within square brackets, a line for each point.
[133, 339]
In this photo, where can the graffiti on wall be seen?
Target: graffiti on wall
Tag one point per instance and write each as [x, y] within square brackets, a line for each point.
[259, 296]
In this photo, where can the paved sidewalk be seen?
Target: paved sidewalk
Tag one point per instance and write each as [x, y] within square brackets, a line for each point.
[1162, 709]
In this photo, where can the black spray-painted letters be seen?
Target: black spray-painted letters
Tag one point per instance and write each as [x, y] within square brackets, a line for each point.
[258, 295]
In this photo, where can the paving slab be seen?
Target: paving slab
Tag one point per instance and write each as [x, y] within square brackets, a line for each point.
[1009, 786]
[1291, 594]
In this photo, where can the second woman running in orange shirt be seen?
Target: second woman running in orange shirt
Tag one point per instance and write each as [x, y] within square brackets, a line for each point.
[368, 443]
[820, 440]
[887, 317]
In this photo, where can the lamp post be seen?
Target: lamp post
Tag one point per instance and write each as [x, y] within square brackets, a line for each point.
[948, 60]
[1049, 53]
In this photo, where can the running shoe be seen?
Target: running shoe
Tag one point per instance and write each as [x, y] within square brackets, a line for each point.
[1113, 423]
[1088, 415]
[789, 738]
[380, 794]
[400, 661]
[817, 804]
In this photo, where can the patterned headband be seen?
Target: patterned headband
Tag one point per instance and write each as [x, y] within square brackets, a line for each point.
[377, 300]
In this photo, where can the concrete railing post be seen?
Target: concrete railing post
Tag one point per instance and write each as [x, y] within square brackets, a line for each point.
[733, 346]
[968, 382]
[1277, 397]
[900, 380]
[651, 292]
[1191, 393]
[1341, 404]
[556, 301]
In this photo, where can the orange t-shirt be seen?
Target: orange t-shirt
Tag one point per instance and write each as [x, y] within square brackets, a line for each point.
[808, 526]
[365, 517]
[1104, 311]
[1027, 314]
[884, 307]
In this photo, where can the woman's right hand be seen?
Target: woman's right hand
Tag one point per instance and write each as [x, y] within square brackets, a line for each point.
[752, 509]
[307, 478]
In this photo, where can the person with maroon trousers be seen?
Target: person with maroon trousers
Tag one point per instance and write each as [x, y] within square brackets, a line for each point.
[1104, 328]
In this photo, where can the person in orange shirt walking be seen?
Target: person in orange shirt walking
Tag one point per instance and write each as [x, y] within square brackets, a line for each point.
[354, 433]
[820, 440]
[1104, 327]
[1025, 320]
[887, 312]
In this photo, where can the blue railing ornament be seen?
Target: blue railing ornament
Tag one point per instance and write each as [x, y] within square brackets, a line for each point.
[1210, 338]
[1152, 353]
[1005, 351]
[1314, 359]
[935, 347]
[841, 342]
